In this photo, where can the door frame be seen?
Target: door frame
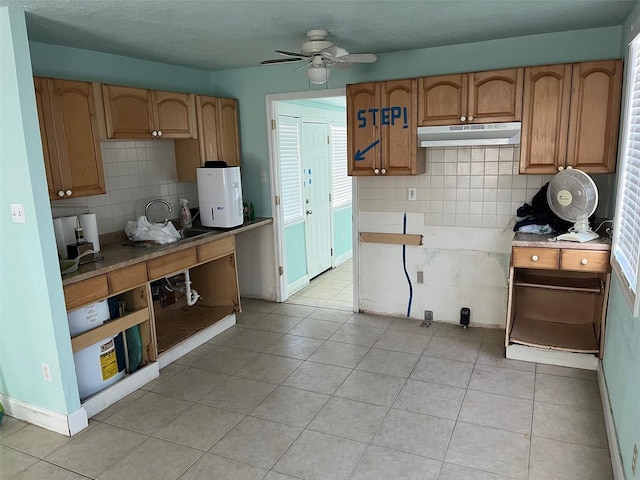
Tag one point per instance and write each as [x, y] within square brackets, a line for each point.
[274, 174]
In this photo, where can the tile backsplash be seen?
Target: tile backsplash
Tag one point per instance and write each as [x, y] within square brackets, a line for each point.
[135, 172]
[464, 187]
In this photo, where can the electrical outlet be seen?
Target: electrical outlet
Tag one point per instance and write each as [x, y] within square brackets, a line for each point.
[263, 177]
[420, 277]
[634, 459]
[428, 318]
[46, 372]
[412, 194]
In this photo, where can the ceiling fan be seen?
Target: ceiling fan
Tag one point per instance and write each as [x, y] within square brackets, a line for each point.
[320, 54]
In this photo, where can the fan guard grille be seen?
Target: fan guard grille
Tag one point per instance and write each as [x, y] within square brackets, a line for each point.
[572, 194]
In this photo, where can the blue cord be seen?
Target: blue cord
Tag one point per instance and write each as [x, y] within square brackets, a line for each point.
[404, 264]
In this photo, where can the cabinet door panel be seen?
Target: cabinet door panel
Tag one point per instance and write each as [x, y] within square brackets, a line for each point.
[442, 100]
[86, 292]
[228, 139]
[208, 116]
[174, 114]
[362, 131]
[542, 258]
[594, 117]
[545, 118]
[495, 96]
[171, 263]
[76, 135]
[398, 101]
[49, 153]
[128, 112]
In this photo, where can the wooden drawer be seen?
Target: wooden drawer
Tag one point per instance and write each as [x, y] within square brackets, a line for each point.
[216, 249]
[82, 293]
[127, 278]
[531, 257]
[584, 260]
[171, 263]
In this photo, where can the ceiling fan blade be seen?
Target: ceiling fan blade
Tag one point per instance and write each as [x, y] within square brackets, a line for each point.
[342, 65]
[302, 66]
[358, 58]
[291, 54]
[282, 60]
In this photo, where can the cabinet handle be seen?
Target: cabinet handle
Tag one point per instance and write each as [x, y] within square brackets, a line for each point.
[463, 118]
[535, 258]
[584, 261]
[159, 133]
[376, 171]
[470, 118]
[383, 171]
[560, 168]
[61, 193]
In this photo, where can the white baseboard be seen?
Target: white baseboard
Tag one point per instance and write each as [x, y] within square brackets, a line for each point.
[585, 361]
[612, 436]
[339, 260]
[54, 421]
[297, 285]
[196, 340]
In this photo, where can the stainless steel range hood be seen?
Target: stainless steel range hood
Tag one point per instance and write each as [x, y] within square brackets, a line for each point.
[471, 134]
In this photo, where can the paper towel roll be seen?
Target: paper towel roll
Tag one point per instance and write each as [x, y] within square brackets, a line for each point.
[58, 230]
[69, 225]
[89, 224]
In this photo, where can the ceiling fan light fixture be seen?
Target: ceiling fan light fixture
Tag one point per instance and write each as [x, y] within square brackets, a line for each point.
[318, 75]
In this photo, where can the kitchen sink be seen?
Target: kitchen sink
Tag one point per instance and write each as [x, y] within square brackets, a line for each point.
[191, 232]
[185, 234]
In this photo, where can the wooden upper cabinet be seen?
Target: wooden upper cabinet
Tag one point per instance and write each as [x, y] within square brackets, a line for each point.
[493, 96]
[596, 92]
[381, 128]
[138, 113]
[174, 114]
[70, 131]
[218, 137]
[442, 100]
[398, 132]
[545, 118]
[363, 134]
[571, 115]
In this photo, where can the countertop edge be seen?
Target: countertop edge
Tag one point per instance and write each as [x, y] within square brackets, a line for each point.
[117, 256]
[542, 241]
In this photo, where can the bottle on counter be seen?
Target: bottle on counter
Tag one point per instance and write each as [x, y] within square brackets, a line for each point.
[252, 212]
[185, 214]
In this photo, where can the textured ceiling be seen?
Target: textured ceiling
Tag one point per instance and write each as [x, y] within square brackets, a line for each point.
[223, 34]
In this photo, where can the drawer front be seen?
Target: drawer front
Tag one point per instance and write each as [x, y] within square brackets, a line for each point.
[217, 249]
[584, 260]
[82, 293]
[171, 263]
[126, 278]
[543, 258]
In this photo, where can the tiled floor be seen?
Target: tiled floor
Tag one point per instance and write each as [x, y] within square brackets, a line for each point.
[303, 392]
[331, 289]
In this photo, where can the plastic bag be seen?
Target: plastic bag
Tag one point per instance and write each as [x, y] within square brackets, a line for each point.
[155, 232]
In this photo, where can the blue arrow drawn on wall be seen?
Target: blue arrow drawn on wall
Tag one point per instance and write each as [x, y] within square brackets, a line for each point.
[359, 156]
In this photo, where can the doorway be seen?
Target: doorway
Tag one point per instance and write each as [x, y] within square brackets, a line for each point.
[313, 203]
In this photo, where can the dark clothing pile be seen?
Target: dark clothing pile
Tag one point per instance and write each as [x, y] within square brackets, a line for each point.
[539, 213]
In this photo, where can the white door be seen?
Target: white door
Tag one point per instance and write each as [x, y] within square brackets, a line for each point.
[316, 181]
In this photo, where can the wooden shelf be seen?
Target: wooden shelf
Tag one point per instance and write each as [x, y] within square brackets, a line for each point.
[109, 329]
[533, 332]
[590, 284]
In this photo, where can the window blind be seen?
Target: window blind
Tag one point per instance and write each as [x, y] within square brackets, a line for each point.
[626, 248]
[341, 182]
[290, 171]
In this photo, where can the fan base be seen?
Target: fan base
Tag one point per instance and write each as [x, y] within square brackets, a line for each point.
[578, 236]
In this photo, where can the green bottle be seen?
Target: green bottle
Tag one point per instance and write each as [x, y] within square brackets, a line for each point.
[252, 212]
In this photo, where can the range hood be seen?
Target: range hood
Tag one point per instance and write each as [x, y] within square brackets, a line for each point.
[471, 134]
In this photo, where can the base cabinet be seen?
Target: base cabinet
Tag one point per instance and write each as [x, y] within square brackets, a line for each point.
[557, 303]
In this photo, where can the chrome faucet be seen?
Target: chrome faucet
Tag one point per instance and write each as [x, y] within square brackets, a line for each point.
[156, 200]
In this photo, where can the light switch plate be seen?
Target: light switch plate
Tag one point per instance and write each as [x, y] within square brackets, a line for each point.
[263, 177]
[17, 213]
[412, 194]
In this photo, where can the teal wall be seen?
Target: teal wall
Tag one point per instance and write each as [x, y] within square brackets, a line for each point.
[250, 85]
[295, 253]
[76, 64]
[342, 231]
[621, 363]
[33, 320]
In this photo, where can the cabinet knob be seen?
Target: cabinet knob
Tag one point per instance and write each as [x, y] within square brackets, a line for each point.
[154, 134]
[584, 261]
[560, 168]
[69, 192]
[61, 193]
[376, 171]
[383, 171]
[535, 258]
[470, 118]
[463, 118]
[159, 133]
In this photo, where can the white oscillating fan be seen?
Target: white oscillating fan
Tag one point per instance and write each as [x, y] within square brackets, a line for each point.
[573, 196]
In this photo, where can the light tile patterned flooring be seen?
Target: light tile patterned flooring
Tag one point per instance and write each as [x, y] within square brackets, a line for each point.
[331, 289]
[312, 393]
